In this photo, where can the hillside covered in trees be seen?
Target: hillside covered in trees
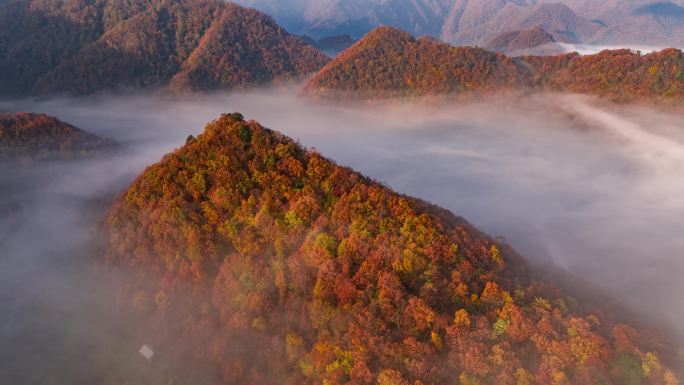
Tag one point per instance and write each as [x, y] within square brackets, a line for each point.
[39, 137]
[81, 47]
[273, 265]
[389, 62]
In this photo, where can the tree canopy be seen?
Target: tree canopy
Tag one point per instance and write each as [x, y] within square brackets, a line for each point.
[390, 62]
[280, 267]
[84, 46]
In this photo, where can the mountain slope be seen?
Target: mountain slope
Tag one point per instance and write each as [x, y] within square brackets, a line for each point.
[512, 43]
[36, 36]
[244, 47]
[472, 22]
[335, 44]
[41, 137]
[321, 18]
[620, 75]
[391, 62]
[194, 44]
[425, 66]
[555, 18]
[273, 265]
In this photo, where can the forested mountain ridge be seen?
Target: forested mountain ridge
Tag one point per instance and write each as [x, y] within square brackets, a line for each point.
[515, 42]
[390, 62]
[81, 47]
[276, 266]
[620, 75]
[29, 136]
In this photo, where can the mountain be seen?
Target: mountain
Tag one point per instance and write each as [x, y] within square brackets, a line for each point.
[330, 45]
[29, 136]
[320, 18]
[619, 75]
[389, 62]
[635, 22]
[271, 264]
[555, 18]
[521, 42]
[335, 44]
[666, 9]
[55, 46]
[474, 22]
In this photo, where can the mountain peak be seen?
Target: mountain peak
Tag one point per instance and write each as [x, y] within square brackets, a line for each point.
[386, 35]
[451, 69]
[517, 41]
[193, 45]
[666, 9]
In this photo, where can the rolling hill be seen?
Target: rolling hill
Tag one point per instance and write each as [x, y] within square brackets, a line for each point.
[389, 62]
[271, 264]
[79, 47]
[27, 136]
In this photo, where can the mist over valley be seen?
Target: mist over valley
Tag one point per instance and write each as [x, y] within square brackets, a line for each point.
[584, 187]
[366, 192]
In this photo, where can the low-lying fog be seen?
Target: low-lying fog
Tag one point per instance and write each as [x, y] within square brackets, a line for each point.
[593, 189]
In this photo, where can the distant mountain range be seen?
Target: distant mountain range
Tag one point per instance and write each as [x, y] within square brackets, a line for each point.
[525, 42]
[474, 22]
[48, 47]
[199, 45]
[391, 62]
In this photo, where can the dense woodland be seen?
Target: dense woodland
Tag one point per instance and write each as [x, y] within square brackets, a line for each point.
[28, 136]
[389, 62]
[620, 75]
[85, 46]
[276, 266]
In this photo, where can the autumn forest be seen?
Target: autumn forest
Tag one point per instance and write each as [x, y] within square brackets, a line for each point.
[385, 208]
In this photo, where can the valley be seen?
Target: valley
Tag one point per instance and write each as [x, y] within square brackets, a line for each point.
[499, 183]
[367, 192]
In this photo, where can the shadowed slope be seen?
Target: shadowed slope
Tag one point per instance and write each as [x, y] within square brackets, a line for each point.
[51, 47]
